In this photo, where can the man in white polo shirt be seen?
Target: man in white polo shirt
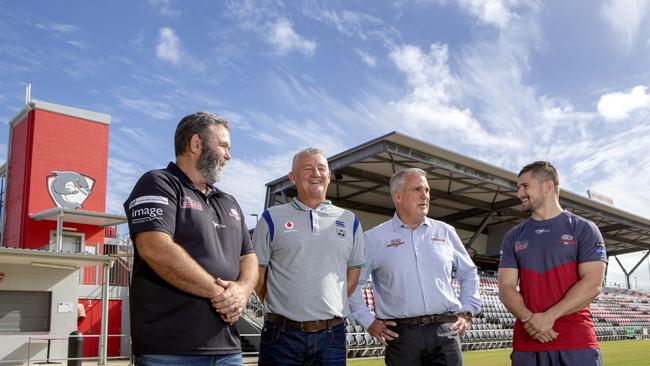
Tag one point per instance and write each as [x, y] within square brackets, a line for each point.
[310, 254]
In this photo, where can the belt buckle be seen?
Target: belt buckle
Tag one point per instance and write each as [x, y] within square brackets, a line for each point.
[302, 326]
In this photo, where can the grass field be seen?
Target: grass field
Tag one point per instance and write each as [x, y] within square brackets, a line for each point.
[623, 353]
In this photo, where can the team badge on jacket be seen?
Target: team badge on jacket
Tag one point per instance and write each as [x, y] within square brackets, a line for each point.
[340, 228]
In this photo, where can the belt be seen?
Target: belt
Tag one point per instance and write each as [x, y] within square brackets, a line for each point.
[427, 319]
[308, 326]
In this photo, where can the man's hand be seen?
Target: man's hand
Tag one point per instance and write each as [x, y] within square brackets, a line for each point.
[540, 327]
[379, 330]
[231, 302]
[460, 326]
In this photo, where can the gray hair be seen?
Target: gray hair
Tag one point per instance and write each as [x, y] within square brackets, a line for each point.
[310, 151]
[397, 180]
[193, 124]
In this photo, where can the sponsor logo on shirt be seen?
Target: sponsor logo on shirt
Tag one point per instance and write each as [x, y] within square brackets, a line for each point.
[145, 214]
[340, 228]
[148, 199]
[541, 231]
[289, 227]
[234, 214]
[218, 225]
[188, 202]
[395, 243]
[566, 239]
[437, 239]
[520, 245]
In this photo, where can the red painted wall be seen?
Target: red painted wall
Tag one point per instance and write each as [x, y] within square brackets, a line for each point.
[91, 325]
[17, 166]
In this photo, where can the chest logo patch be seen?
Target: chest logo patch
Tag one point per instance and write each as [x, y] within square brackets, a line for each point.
[541, 231]
[438, 240]
[289, 227]
[566, 239]
[188, 202]
[234, 214]
[521, 245]
[395, 243]
[340, 229]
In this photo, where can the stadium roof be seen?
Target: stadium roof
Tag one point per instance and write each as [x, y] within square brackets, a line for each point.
[467, 193]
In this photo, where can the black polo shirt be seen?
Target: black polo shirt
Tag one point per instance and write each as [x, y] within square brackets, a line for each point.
[165, 320]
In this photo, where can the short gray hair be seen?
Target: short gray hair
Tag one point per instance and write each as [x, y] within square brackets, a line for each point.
[397, 180]
[310, 151]
[195, 124]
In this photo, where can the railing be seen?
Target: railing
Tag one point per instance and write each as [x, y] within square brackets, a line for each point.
[54, 343]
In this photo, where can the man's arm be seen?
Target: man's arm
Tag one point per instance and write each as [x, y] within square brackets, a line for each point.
[173, 264]
[231, 302]
[508, 279]
[260, 288]
[581, 294]
[352, 278]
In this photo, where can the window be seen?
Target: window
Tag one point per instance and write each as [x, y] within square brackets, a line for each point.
[25, 311]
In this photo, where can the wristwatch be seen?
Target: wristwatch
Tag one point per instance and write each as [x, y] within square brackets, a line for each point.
[467, 315]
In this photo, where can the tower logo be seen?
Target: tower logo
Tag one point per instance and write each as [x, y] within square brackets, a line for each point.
[69, 189]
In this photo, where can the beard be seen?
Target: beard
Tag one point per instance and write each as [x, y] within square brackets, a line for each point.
[210, 165]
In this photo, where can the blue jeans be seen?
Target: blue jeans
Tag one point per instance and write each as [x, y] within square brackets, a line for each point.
[234, 359]
[287, 347]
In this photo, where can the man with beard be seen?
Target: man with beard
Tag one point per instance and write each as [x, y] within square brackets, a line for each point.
[194, 266]
[310, 255]
[558, 260]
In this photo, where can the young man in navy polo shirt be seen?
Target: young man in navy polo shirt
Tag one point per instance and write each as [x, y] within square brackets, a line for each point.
[558, 260]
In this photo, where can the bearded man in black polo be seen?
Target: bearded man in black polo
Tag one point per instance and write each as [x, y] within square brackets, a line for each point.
[194, 266]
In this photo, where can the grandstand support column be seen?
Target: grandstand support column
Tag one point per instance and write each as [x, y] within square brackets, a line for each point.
[479, 230]
[103, 332]
[628, 274]
[59, 231]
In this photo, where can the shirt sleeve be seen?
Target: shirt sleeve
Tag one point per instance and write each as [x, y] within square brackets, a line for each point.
[357, 258]
[358, 309]
[467, 276]
[591, 246]
[508, 259]
[152, 205]
[262, 238]
[246, 245]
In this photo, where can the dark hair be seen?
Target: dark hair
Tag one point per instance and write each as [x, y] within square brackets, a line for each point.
[195, 123]
[542, 171]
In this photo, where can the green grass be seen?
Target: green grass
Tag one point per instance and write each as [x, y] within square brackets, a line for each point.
[623, 353]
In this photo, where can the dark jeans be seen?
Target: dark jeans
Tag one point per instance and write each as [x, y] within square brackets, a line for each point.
[427, 345]
[286, 347]
[234, 359]
[582, 357]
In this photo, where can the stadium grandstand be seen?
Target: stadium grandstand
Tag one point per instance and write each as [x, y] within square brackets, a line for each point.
[480, 200]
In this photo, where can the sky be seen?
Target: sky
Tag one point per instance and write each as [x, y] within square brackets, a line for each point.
[503, 81]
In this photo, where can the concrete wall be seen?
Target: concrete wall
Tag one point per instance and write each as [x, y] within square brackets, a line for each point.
[63, 284]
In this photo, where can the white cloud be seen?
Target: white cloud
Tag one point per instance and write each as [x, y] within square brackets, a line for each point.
[169, 46]
[285, 39]
[149, 107]
[367, 58]
[620, 105]
[122, 176]
[164, 8]
[625, 18]
[58, 27]
[494, 12]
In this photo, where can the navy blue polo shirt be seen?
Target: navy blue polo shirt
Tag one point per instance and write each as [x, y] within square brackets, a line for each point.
[164, 319]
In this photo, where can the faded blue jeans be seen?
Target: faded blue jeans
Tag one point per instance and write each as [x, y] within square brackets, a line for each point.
[234, 359]
[287, 347]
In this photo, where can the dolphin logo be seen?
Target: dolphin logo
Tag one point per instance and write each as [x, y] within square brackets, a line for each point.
[69, 189]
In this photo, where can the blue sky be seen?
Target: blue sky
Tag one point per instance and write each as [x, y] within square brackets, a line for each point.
[503, 81]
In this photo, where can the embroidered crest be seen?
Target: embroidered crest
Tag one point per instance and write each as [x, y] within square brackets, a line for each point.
[395, 243]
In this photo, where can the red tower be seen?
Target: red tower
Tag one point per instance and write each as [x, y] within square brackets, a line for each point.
[56, 179]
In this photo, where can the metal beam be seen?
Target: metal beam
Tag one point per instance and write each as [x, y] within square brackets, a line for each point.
[479, 230]
[435, 161]
[626, 241]
[620, 220]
